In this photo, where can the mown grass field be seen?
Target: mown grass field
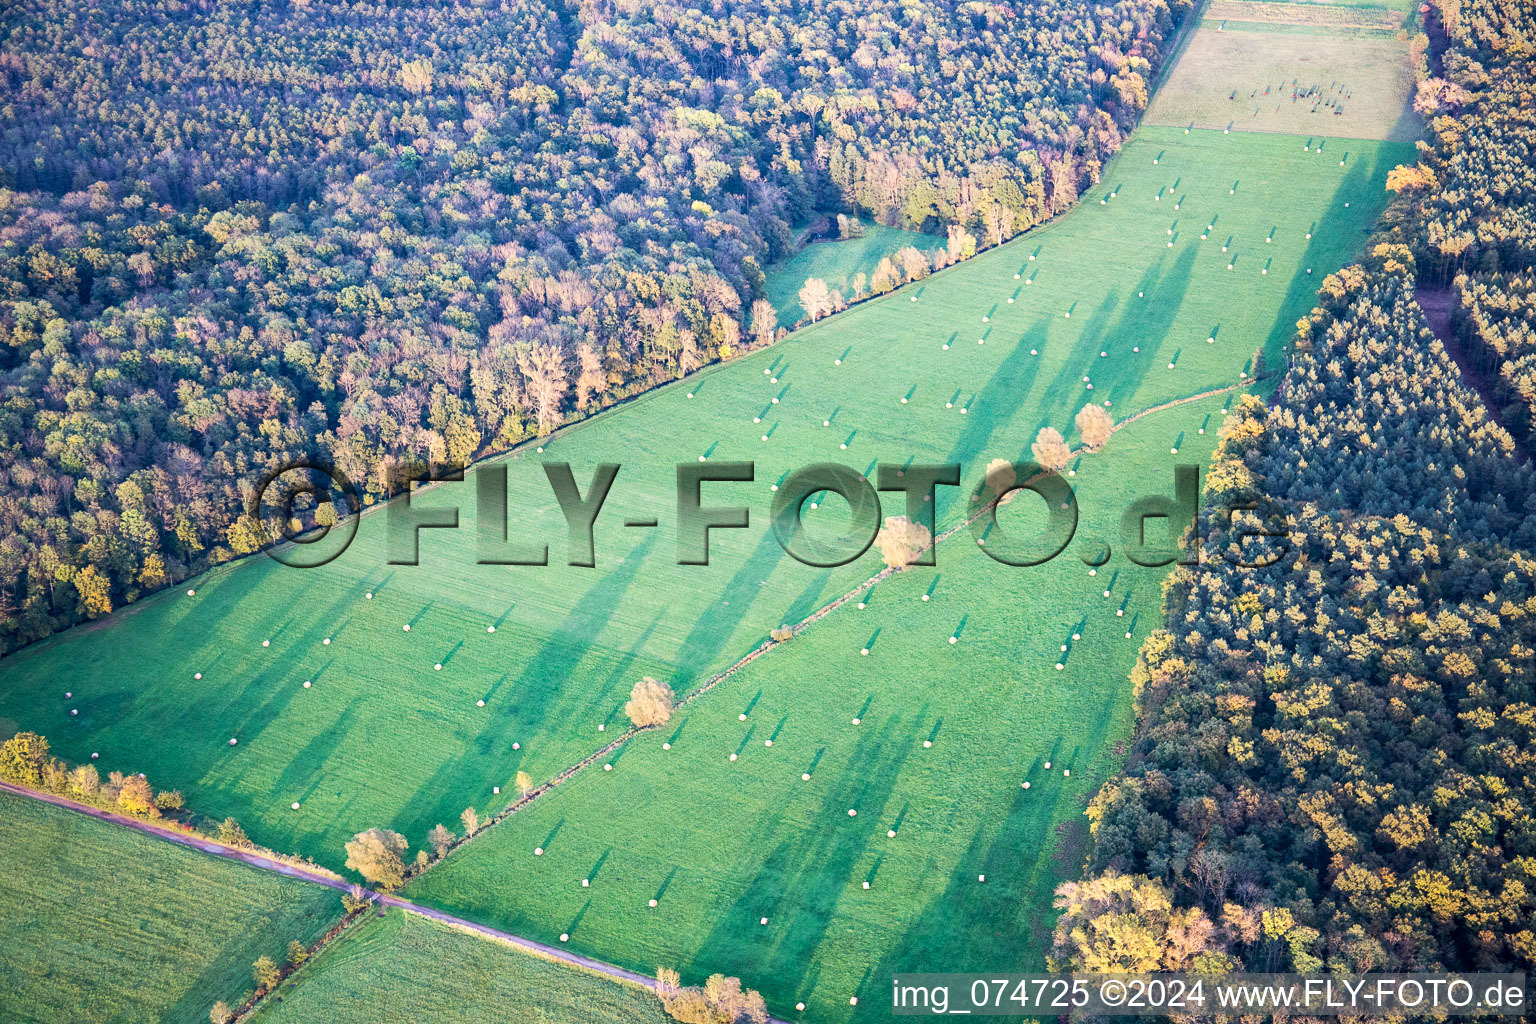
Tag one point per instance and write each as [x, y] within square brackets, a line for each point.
[1250, 68]
[382, 738]
[403, 969]
[724, 843]
[104, 924]
[836, 263]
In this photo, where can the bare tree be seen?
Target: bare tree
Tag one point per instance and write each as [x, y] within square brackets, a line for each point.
[440, 838]
[962, 244]
[727, 333]
[913, 263]
[1001, 476]
[886, 277]
[688, 357]
[765, 323]
[999, 222]
[416, 76]
[544, 367]
[591, 380]
[815, 298]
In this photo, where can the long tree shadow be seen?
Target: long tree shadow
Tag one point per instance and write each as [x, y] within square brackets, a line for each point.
[1143, 323]
[547, 689]
[713, 628]
[1005, 391]
[800, 882]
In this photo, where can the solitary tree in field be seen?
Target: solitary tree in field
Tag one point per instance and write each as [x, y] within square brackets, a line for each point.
[523, 782]
[901, 540]
[1000, 476]
[377, 855]
[1050, 449]
[440, 838]
[264, 970]
[815, 298]
[1095, 426]
[471, 820]
[650, 703]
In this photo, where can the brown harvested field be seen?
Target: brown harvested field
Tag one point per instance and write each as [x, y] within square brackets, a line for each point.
[1321, 15]
[1323, 82]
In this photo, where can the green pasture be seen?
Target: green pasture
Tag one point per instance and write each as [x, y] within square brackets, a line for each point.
[403, 969]
[722, 843]
[384, 738]
[836, 263]
[105, 924]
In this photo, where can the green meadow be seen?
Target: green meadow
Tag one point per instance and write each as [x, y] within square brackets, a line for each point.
[401, 969]
[384, 737]
[836, 263]
[105, 924]
[760, 872]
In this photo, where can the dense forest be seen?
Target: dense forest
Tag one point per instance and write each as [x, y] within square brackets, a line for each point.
[385, 235]
[1472, 218]
[1333, 765]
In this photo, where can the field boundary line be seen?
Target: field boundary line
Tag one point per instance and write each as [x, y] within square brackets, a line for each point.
[252, 859]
